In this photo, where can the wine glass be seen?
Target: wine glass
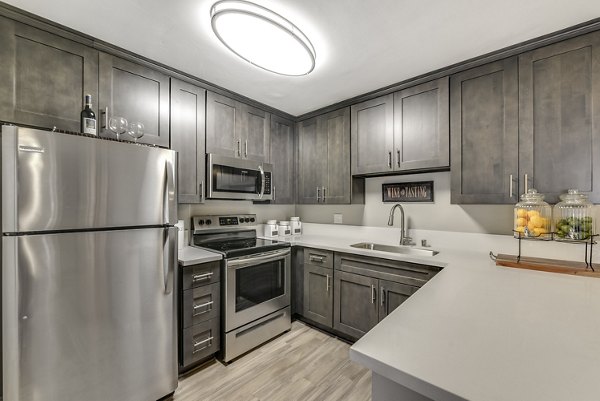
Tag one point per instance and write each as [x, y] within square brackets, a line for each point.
[118, 125]
[136, 130]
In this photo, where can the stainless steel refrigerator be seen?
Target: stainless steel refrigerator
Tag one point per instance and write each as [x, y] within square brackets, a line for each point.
[88, 262]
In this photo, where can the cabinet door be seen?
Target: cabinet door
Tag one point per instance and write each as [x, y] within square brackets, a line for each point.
[187, 138]
[391, 296]
[335, 127]
[422, 126]
[312, 162]
[221, 134]
[136, 92]
[44, 77]
[318, 294]
[254, 132]
[559, 117]
[282, 158]
[355, 303]
[485, 133]
[372, 136]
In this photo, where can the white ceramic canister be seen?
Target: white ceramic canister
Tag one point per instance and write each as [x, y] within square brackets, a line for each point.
[296, 225]
[284, 228]
[271, 229]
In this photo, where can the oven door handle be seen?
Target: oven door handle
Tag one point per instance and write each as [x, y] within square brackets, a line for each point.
[240, 263]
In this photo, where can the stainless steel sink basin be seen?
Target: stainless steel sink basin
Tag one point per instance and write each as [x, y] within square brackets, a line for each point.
[406, 250]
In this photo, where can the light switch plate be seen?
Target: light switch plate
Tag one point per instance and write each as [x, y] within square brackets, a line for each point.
[338, 218]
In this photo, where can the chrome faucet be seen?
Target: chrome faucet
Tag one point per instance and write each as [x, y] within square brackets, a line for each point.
[404, 238]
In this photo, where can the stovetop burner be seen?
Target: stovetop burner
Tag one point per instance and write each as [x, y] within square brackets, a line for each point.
[231, 235]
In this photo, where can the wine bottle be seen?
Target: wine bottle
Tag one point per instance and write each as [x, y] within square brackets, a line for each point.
[88, 118]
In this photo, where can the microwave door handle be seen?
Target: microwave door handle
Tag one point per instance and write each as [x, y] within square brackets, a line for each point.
[262, 182]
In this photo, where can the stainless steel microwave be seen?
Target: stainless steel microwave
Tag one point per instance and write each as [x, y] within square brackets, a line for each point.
[233, 178]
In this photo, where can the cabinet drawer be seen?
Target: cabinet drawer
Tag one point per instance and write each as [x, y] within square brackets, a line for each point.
[200, 341]
[318, 258]
[201, 304]
[202, 274]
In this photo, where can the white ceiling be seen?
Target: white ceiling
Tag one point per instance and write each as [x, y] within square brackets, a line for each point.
[361, 45]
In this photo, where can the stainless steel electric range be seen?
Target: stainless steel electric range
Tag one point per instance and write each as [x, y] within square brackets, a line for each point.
[256, 281]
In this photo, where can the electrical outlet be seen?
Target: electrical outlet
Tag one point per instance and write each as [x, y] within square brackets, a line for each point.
[338, 218]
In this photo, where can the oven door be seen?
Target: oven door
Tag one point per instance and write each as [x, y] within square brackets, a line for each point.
[233, 178]
[256, 285]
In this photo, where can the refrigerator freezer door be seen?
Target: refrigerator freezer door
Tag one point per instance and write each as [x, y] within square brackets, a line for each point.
[53, 182]
[90, 316]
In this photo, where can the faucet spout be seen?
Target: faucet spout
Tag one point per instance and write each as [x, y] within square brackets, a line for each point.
[404, 239]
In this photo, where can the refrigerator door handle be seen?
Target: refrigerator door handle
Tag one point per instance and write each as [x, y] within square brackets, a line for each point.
[168, 193]
[169, 257]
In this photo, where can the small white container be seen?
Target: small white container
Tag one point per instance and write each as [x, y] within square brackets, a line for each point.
[296, 225]
[271, 229]
[284, 229]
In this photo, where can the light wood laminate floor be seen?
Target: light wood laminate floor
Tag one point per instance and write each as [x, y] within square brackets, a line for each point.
[303, 364]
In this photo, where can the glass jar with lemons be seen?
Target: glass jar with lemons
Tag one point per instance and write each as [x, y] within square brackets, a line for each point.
[573, 217]
[533, 217]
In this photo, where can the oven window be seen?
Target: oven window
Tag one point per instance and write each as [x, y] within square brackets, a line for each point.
[234, 179]
[259, 283]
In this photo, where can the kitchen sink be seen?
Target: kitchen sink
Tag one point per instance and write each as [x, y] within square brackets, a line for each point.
[406, 250]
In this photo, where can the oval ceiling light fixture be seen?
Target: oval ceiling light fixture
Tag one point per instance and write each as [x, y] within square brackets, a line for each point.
[262, 37]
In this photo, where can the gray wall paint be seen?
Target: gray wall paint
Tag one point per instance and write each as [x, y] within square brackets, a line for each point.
[440, 215]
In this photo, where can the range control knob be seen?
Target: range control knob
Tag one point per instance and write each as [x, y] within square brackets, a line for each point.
[252, 219]
[246, 220]
[208, 222]
[241, 219]
[201, 222]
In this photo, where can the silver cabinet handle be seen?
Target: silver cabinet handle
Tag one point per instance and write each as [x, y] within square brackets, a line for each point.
[200, 277]
[390, 159]
[526, 183]
[204, 305]
[199, 343]
[398, 154]
[382, 299]
[239, 148]
[246, 148]
[324, 197]
[510, 186]
[105, 112]
[201, 190]
[274, 193]
[319, 259]
[327, 285]
[373, 294]
[318, 194]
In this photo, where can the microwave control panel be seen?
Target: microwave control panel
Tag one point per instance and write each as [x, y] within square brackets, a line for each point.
[267, 183]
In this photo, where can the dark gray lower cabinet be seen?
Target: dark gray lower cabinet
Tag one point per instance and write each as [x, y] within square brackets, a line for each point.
[199, 305]
[318, 294]
[392, 295]
[356, 310]
[43, 77]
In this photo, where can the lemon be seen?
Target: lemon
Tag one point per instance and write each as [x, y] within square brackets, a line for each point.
[520, 229]
[521, 221]
[533, 213]
[522, 213]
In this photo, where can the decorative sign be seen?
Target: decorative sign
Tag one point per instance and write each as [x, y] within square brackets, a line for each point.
[408, 192]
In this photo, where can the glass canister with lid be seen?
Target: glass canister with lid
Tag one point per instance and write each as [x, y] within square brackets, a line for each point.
[573, 219]
[533, 217]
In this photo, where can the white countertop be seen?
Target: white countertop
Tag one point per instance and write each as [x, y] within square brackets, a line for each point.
[481, 332]
[192, 256]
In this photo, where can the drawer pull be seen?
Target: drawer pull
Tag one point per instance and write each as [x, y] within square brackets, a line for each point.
[208, 340]
[200, 277]
[204, 305]
[319, 259]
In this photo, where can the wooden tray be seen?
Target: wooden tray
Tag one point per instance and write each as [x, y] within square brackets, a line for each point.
[548, 265]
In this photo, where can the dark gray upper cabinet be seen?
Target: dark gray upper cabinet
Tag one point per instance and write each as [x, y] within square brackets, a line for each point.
[422, 126]
[485, 133]
[318, 294]
[136, 92]
[372, 135]
[236, 129]
[282, 158]
[221, 117]
[324, 159]
[254, 133]
[44, 77]
[187, 138]
[559, 117]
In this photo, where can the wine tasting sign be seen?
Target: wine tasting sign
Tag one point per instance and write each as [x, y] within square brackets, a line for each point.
[421, 191]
